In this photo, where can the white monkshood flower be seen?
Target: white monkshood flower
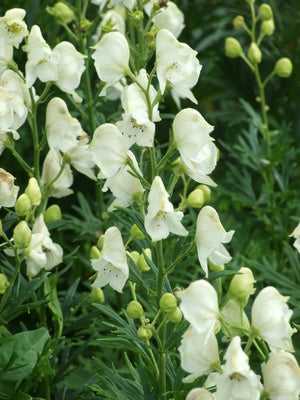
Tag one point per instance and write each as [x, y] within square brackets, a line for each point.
[168, 17]
[238, 381]
[161, 219]
[43, 253]
[210, 235]
[296, 235]
[198, 353]
[199, 305]
[51, 169]
[8, 190]
[135, 124]
[196, 147]
[130, 4]
[12, 27]
[111, 57]
[282, 377]
[41, 62]
[234, 315]
[111, 266]
[270, 316]
[112, 20]
[199, 394]
[176, 64]
[6, 54]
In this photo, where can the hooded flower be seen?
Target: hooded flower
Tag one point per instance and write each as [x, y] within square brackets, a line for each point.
[6, 54]
[196, 147]
[111, 266]
[270, 317]
[176, 64]
[8, 190]
[161, 219]
[210, 235]
[12, 26]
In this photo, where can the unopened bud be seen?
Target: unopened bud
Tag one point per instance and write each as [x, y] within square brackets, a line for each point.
[206, 192]
[136, 233]
[94, 253]
[23, 205]
[100, 242]
[134, 309]
[4, 283]
[238, 22]
[22, 235]
[199, 394]
[134, 255]
[97, 295]
[168, 302]
[52, 214]
[142, 264]
[234, 315]
[33, 191]
[144, 332]
[265, 12]
[284, 67]
[242, 285]
[138, 16]
[61, 12]
[175, 316]
[233, 48]
[268, 27]
[254, 53]
[196, 198]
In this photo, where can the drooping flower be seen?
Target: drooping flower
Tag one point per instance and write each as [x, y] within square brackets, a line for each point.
[270, 317]
[111, 267]
[8, 190]
[199, 305]
[282, 377]
[196, 147]
[161, 219]
[198, 353]
[13, 28]
[176, 64]
[210, 235]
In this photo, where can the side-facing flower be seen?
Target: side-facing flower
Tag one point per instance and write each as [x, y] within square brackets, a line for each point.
[111, 266]
[196, 147]
[161, 219]
[13, 27]
[8, 190]
[6, 54]
[176, 64]
[210, 235]
[270, 317]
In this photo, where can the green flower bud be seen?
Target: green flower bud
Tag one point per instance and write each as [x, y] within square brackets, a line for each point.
[142, 264]
[33, 191]
[85, 24]
[100, 242]
[268, 27]
[206, 192]
[61, 12]
[168, 302]
[94, 253]
[196, 198]
[138, 16]
[134, 255]
[242, 286]
[175, 316]
[23, 205]
[233, 48]
[136, 233]
[52, 214]
[215, 268]
[97, 295]
[265, 12]
[4, 283]
[238, 22]
[254, 53]
[144, 332]
[22, 235]
[134, 309]
[284, 67]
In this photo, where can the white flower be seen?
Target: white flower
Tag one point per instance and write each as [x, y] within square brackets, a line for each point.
[210, 235]
[176, 64]
[113, 19]
[296, 235]
[8, 190]
[199, 394]
[270, 317]
[112, 265]
[282, 377]
[238, 381]
[199, 305]
[111, 58]
[51, 169]
[130, 4]
[196, 147]
[198, 353]
[43, 253]
[6, 54]
[161, 219]
[234, 315]
[12, 27]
